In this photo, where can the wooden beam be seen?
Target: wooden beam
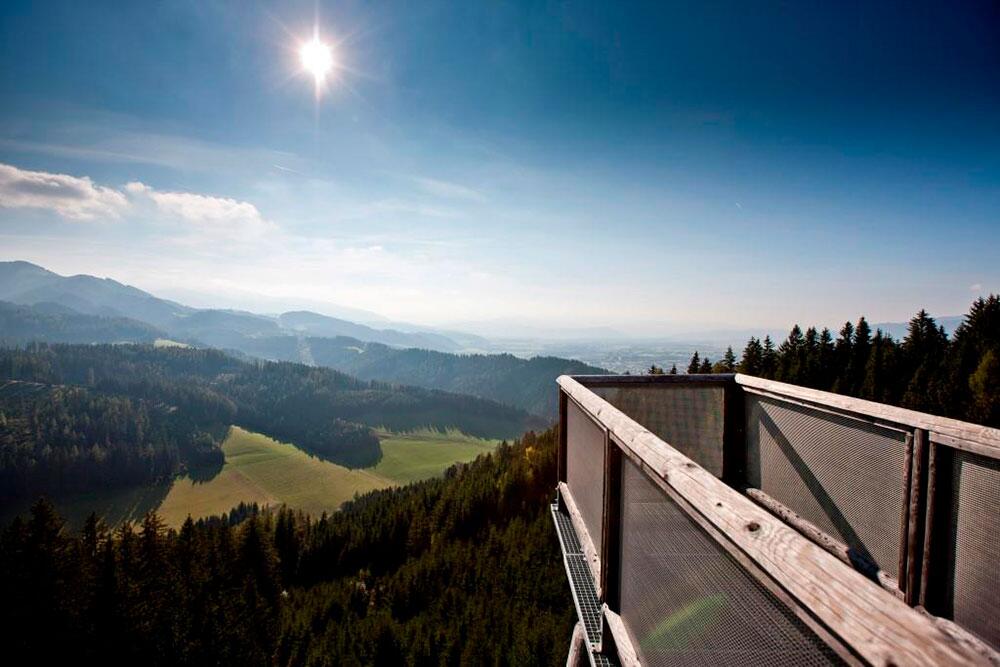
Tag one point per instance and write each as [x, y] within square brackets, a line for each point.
[914, 533]
[904, 514]
[878, 627]
[680, 378]
[828, 542]
[927, 549]
[561, 461]
[611, 544]
[577, 646]
[613, 624]
[734, 443]
[984, 438]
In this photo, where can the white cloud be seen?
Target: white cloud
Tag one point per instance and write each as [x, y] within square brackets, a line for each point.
[978, 287]
[72, 197]
[221, 214]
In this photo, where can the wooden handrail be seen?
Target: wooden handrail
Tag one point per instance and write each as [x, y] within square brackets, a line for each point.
[878, 627]
[963, 435]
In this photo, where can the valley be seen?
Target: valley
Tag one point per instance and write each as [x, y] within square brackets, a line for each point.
[262, 470]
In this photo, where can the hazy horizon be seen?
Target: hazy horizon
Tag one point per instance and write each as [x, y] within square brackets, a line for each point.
[693, 168]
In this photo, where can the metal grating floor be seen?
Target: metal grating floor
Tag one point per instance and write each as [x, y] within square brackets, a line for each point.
[588, 607]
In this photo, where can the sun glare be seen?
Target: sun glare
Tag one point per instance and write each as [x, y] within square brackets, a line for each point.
[317, 59]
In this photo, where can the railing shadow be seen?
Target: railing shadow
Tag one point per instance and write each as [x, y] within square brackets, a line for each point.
[820, 494]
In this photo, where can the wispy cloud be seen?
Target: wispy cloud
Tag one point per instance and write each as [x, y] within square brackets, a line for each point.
[448, 190]
[978, 287]
[73, 197]
[99, 144]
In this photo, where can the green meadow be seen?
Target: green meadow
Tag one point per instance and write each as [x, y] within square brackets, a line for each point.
[415, 455]
[262, 470]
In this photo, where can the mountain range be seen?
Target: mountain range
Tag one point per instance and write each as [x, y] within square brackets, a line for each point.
[25, 283]
[39, 305]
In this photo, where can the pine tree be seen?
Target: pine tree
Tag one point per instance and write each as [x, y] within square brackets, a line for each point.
[673, 369]
[825, 371]
[695, 364]
[729, 361]
[768, 359]
[706, 366]
[790, 356]
[842, 352]
[751, 363]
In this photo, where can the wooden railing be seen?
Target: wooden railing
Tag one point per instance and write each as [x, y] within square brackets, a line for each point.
[835, 530]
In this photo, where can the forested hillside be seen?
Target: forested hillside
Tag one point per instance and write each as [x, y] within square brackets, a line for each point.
[454, 571]
[73, 417]
[523, 383]
[956, 376]
[52, 323]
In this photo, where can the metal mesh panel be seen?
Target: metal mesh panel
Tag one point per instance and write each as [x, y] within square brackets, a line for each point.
[588, 606]
[842, 474]
[975, 545]
[687, 417]
[585, 469]
[686, 601]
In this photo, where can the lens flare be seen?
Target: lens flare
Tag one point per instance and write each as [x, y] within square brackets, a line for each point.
[317, 59]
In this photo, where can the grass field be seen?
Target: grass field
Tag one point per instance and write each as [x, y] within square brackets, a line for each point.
[408, 457]
[259, 469]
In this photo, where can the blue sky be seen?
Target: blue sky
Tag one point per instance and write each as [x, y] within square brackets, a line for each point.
[650, 166]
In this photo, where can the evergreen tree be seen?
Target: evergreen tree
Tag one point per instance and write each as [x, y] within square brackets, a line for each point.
[728, 363]
[842, 354]
[826, 372]
[752, 361]
[790, 356]
[695, 365]
[673, 369]
[984, 385]
[859, 355]
[768, 359]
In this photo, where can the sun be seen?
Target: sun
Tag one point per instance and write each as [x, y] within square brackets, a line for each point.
[317, 59]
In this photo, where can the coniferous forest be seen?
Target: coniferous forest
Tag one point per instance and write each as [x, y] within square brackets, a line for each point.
[459, 570]
[78, 417]
[953, 376]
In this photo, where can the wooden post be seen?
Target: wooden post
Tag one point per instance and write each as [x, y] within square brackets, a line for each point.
[904, 515]
[734, 446]
[914, 539]
[933, 462]
[611, 546]
[561, 465]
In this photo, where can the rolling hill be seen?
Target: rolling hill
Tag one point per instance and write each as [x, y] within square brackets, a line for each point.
[54, 323]
[524, 383]
[25, 283]
[78, 417]
[84, 309]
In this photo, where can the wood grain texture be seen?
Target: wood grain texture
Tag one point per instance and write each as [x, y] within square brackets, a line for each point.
[828, 542]
[985, 439]
[880, 628]
[914, 533]
[577, 646]
[614, 624]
